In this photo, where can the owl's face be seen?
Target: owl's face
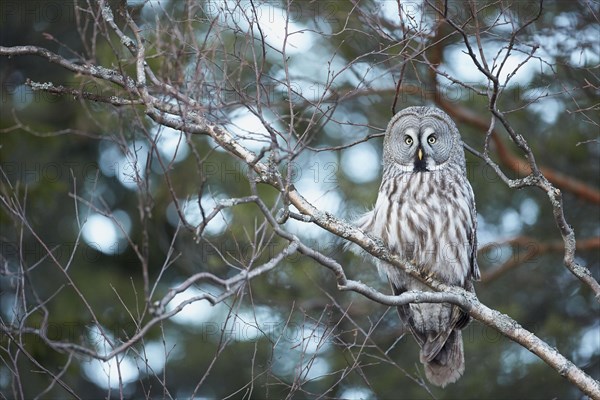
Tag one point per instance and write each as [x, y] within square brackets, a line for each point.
[419, 139]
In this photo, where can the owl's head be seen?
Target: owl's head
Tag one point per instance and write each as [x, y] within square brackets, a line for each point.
[421, 139]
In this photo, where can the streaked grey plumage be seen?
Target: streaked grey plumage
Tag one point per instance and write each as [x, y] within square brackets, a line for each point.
[425, 212]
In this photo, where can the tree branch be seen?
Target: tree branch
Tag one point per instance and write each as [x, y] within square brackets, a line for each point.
[533, 248]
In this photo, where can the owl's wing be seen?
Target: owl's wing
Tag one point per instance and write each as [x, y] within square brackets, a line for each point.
[364, 222]
[475, 274]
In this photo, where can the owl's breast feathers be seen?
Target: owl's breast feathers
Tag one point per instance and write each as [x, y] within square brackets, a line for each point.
[427, 218]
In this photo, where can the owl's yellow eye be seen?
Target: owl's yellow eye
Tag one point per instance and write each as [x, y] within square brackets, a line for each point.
[408, 140]
[431, 139]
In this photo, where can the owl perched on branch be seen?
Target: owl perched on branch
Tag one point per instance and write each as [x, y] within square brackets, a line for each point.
[425, 213]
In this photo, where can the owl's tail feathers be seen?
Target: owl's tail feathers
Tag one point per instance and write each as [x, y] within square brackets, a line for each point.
[447, 365]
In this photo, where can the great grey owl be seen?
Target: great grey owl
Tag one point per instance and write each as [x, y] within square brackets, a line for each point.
[425, 213]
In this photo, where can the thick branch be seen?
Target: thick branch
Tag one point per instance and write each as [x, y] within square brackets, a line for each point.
[532, 248]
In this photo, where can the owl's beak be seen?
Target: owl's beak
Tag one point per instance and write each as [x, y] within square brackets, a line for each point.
[420, 154]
